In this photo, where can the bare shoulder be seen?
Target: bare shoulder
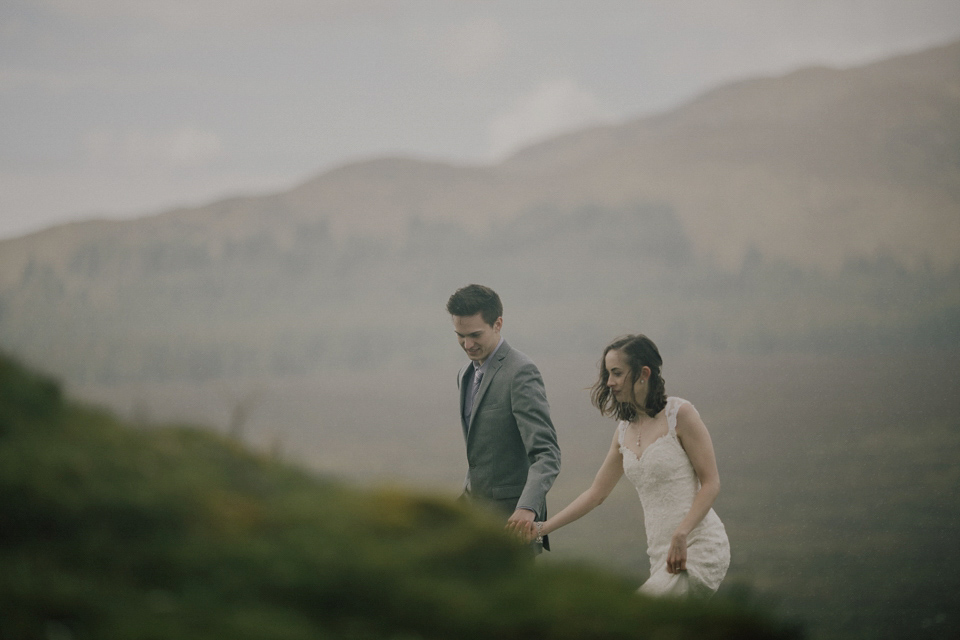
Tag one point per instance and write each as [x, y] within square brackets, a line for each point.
[618, 427]
[688, 418]
[686, 410]
[615, 445]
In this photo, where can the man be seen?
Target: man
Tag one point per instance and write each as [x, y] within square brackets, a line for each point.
[512, 451]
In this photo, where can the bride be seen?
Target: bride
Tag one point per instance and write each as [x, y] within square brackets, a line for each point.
[664, 449]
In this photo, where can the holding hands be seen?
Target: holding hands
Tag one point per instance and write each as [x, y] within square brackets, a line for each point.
[522, 524]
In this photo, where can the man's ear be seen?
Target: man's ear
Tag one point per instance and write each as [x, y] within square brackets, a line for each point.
[498, 324]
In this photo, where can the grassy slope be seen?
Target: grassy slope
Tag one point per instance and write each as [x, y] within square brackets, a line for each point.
[109, 532]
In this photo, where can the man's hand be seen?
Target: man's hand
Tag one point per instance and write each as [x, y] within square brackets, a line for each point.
[521, 523]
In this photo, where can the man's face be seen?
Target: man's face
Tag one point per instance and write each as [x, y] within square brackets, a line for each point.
[477, 338]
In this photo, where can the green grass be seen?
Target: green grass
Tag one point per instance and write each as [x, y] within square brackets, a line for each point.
[111, 532]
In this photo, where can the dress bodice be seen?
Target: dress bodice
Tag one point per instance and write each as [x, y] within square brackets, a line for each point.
[667, 484]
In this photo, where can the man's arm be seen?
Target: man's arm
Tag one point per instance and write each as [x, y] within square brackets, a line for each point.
[532, 413]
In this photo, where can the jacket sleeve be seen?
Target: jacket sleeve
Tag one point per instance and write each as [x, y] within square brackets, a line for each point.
[532, 414]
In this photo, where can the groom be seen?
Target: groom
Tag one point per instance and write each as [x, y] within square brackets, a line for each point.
[512, 450]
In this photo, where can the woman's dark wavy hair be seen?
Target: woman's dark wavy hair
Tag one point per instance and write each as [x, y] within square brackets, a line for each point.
[638, 351]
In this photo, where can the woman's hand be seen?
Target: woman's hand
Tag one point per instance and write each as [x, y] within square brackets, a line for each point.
[521, 524]
[531, 534]
[677, 555]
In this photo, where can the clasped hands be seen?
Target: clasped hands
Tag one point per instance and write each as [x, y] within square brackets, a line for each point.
[522, 524]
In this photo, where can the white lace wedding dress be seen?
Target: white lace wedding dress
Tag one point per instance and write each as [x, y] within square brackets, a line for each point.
[667, 484]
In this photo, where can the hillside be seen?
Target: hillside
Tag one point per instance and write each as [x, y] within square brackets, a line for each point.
[814, 167]
[109, 532]
[823, 149]
[169, 308]
[819, 211]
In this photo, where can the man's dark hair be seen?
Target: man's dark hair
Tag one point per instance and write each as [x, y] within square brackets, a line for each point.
[473, 299]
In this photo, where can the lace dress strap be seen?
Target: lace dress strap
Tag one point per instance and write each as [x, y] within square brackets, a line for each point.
[673, 407]
[621, 429]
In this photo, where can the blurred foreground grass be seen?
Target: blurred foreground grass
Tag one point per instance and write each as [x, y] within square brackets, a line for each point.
[110, 532]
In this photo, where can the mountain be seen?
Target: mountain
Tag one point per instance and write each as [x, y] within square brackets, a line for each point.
[819, 210]
[813, 167]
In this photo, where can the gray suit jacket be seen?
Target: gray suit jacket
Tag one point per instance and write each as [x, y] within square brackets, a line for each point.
[512, 449]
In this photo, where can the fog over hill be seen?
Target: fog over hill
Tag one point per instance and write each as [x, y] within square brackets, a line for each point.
[817, 211]
[813, 167]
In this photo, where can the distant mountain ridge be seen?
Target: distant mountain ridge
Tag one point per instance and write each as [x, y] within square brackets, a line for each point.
[816, 210]
[813, 167]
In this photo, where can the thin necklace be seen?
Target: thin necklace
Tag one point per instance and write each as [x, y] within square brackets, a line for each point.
[639, 434]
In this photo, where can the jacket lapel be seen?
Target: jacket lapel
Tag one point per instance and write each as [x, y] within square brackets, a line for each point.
[463, 395]
[491, 371]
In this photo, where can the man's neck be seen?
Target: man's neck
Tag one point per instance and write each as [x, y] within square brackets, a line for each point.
[480, 363]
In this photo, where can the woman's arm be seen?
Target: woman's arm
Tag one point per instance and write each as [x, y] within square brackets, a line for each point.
[604, 482]
[695, 438]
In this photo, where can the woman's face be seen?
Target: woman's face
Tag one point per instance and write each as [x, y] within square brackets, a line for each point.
[620, 378]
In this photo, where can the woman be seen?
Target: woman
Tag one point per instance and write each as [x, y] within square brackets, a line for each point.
[663, 447]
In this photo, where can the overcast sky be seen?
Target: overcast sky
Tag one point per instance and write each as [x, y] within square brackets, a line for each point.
[128, 107]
